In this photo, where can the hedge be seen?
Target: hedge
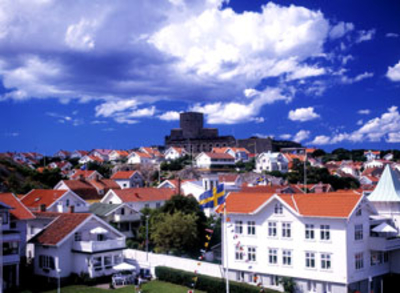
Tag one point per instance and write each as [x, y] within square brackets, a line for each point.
[204, 283]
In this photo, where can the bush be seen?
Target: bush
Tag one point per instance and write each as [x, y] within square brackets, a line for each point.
[204, 283]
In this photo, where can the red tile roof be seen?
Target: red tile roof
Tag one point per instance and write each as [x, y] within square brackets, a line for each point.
[84, 173]
[219, 156]
[144, 194]
[62, 226]
[333, 204]
[123, 175]
[82, 188]
[228, 177]
[143, 155]
[104, 184]
[36, 197]
[19, 211]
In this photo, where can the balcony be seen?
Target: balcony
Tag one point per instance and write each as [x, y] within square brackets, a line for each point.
[10, 259]
[383, 243]
[126, 218]
[98, 246]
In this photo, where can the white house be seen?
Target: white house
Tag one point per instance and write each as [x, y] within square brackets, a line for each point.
[271, 162]
[240, 154]
[128, 179]
[208, 160]
[374, 164]
[116, 155]
[321, 240]
[78, 154]
[66, 243]
[139, 198]
[125, 218]
[139, 158]
[86, 174]
[156, 155]
[174, 153]
[90, 158]
[14, 218]
[101, 153]
[62, 154]
[372, 155]
[60, 201]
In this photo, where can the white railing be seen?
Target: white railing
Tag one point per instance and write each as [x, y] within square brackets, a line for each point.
[383, 244]
[95, 246]
[126, 218]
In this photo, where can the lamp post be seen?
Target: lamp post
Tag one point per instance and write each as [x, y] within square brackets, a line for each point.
[59, 280]
[147, 237]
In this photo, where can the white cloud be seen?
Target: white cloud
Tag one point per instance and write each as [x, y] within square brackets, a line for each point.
[340, 30]
[392, 35]
[364, 111]
[305, 72]
[169, 116]
[285, 136]
[385, 127]
[12, 134]
[301, 135]
[393, 137]
[80, 36]
[303, 114]
[393, 73]
[238, 112]
[109, 108]
[360, 122]
[365, 35]
[357, 78]
[65, 119]
[225, 44]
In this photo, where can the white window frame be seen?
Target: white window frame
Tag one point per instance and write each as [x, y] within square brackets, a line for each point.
[273, 256]
[251, 254]
[326, 261]
[310, 259]
[272, 229]
[239, 255]
[310, 232]
[278, 208]
[239, 227]
[251, 228]
[287, 257]
[325, 232]
[358, 232]
[359, 261]
[286, 230]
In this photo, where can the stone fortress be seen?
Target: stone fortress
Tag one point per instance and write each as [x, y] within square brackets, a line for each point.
[194, 138]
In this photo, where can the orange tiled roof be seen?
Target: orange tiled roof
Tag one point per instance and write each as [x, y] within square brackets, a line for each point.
[228, 177]
[104, 184]
[82, 188]
[37, 197]
[19, 211]
[62, 226]
[84, 173]
[123, 174]
[219, 156]
[332, 204]
[144, 194]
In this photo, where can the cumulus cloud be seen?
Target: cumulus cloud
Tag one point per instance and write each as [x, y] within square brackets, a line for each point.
[285, 136]
[66, 118]
[239, 112]
[169, 116]
[301, 135]
[392, 35]
[393, 72]
[364, 112]
[303, 114]
[386, 127]
[111, 51]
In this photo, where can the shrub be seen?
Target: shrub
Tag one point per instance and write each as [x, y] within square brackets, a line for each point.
[204, 283]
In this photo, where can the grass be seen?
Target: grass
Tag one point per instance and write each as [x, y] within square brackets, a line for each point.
[151, 287]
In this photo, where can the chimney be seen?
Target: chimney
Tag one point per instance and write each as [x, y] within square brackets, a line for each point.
[71, 209]
[42, 208]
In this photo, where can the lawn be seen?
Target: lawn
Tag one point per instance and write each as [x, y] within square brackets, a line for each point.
[151, 287]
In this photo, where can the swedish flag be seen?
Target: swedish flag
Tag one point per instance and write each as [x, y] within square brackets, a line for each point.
[212, 198]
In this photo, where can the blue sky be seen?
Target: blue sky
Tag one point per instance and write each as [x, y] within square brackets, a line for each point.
[116, 74]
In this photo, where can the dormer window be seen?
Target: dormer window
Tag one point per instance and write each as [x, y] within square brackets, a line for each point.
[278, 208]
[359, 212]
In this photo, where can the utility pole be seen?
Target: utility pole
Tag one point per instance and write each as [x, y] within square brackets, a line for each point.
[147, 237]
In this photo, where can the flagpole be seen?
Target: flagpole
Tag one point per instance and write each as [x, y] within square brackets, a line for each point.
[226, 248]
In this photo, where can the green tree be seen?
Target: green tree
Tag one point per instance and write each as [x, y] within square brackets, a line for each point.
[174, 233]
[289, 285]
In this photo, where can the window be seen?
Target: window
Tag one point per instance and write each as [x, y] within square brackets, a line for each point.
[108, 262]
[4, 217]
[359, 212]
[376, 258]
[117, 259]
[78, 236]
[273, 256]
[238, 227]
[309, 231]
[238, 253]
[287, 257]
[96, 262]
[272, 229]
[251, 254]
[358, 232]
[158, 205]
[239, 276]
[312, 286]
[325, 261]
[251, 228]
[310, 260]
[286, 230]
[147, 205]
[67, 203]
[385, 257]
[10, 248]
[275, 280]
[278, 208]
[327, 288]
[122, 211]
[359, 260]
[46, 262]
[325, 234]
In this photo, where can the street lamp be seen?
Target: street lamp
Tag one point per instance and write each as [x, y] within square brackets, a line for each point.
[59, 277]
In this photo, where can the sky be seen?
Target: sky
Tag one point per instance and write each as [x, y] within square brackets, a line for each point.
[116, 74]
